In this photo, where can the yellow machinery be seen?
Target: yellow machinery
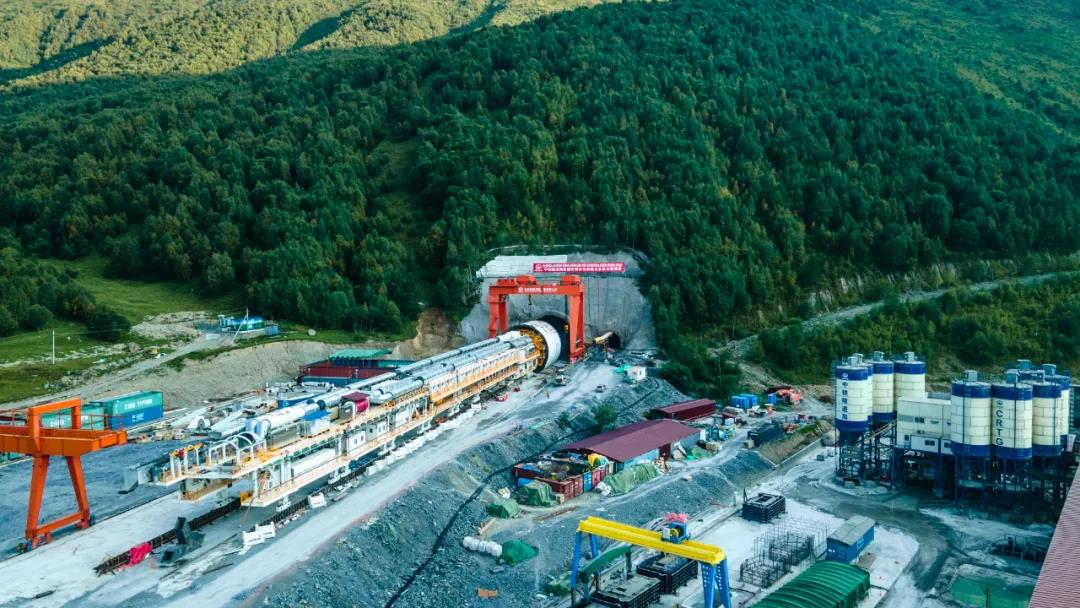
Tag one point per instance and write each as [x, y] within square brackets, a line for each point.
[674, 540]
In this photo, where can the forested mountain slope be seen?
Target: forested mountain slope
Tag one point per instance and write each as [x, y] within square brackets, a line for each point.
[1026, 53]
[63, 40]
[753, 149]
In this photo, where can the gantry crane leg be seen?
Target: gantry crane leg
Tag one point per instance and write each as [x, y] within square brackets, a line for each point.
[41, 443]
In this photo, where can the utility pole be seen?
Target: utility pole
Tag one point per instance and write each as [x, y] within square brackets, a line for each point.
[54, 347]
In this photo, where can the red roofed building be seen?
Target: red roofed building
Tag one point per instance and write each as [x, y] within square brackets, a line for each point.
[1060, 574]
[686, 410]
[636, 442]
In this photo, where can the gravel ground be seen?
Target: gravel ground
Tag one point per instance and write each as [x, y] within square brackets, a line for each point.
[104, 472]
[355, 571]
[171, 326]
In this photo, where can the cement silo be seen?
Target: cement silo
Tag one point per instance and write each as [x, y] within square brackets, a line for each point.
[1063, 407]
[853, 395]
[909, 377]
[1012, 409]
[970, 420]
[884, 389]
[1046, 430]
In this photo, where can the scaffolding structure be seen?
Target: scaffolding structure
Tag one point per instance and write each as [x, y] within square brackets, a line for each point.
[780, 548]
[867, 457]
[1027, 486]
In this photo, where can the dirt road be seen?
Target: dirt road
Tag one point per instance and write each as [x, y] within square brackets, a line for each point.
[740, 349]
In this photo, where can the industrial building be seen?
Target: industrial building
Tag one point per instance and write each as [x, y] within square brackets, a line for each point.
[989, 440]
[639, 442]
[687, 410]
[349, 365]
[1056, 586]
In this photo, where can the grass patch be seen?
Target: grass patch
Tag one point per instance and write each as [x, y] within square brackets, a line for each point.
[138, 299]
[38, 378]
[70, 338]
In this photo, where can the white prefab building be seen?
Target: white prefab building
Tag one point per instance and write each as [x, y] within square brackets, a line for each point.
[924, 424]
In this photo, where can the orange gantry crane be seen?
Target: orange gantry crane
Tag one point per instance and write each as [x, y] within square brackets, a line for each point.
[42, 443]
[527, 285]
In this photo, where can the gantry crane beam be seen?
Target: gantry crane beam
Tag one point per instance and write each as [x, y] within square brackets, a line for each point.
[41, 444]
[714, 570]
[651, 539]
[527, 285]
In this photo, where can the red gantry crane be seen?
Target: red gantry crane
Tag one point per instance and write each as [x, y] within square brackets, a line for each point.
[42, 443]
[527, 285]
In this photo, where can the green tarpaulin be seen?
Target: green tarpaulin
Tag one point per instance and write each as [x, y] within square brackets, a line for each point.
[504, 508]
[823, 585]
[536, 494]
[559, 586]
[598, 565]
[628, 479]
[515, 552]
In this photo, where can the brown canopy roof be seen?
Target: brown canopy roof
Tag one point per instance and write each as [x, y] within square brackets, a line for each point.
[633, 440]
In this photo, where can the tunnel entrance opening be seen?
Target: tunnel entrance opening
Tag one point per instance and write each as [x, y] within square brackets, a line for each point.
[562, 325]
[610, 340]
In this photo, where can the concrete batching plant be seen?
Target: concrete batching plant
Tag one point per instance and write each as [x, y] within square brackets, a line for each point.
[998, 441]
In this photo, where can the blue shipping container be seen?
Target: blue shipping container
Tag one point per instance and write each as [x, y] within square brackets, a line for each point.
[128, 403]
[850, 539]
[124, 421]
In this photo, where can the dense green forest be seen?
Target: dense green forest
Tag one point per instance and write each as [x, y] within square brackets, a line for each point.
[32, 293]
[962, 328]
[754, 150]
[45, 41]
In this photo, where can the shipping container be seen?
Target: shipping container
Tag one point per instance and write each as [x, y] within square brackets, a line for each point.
[849, 540]
[271, 331]
[135, 418]
[130, 402]
[91, 418]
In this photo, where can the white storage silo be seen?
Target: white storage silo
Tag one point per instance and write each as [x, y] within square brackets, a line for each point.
[1046, 428]
[853, 396]
[1012, 418]
[970, 420]
[884, 389]
[1063, 406]
[909, 377]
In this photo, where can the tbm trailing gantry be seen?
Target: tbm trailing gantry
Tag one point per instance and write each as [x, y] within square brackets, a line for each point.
[271, 455]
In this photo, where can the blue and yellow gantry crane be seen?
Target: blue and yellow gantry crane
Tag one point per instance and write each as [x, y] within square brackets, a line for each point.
[673, 539]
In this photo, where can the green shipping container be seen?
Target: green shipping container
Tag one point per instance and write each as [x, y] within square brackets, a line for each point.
[132, 402]
[92, 418]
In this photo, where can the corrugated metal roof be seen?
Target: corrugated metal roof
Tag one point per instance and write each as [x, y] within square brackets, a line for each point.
[360, 353]
[706, 407]
[633, 440]
[852, 530]
[823, 585]
[1058, 579]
